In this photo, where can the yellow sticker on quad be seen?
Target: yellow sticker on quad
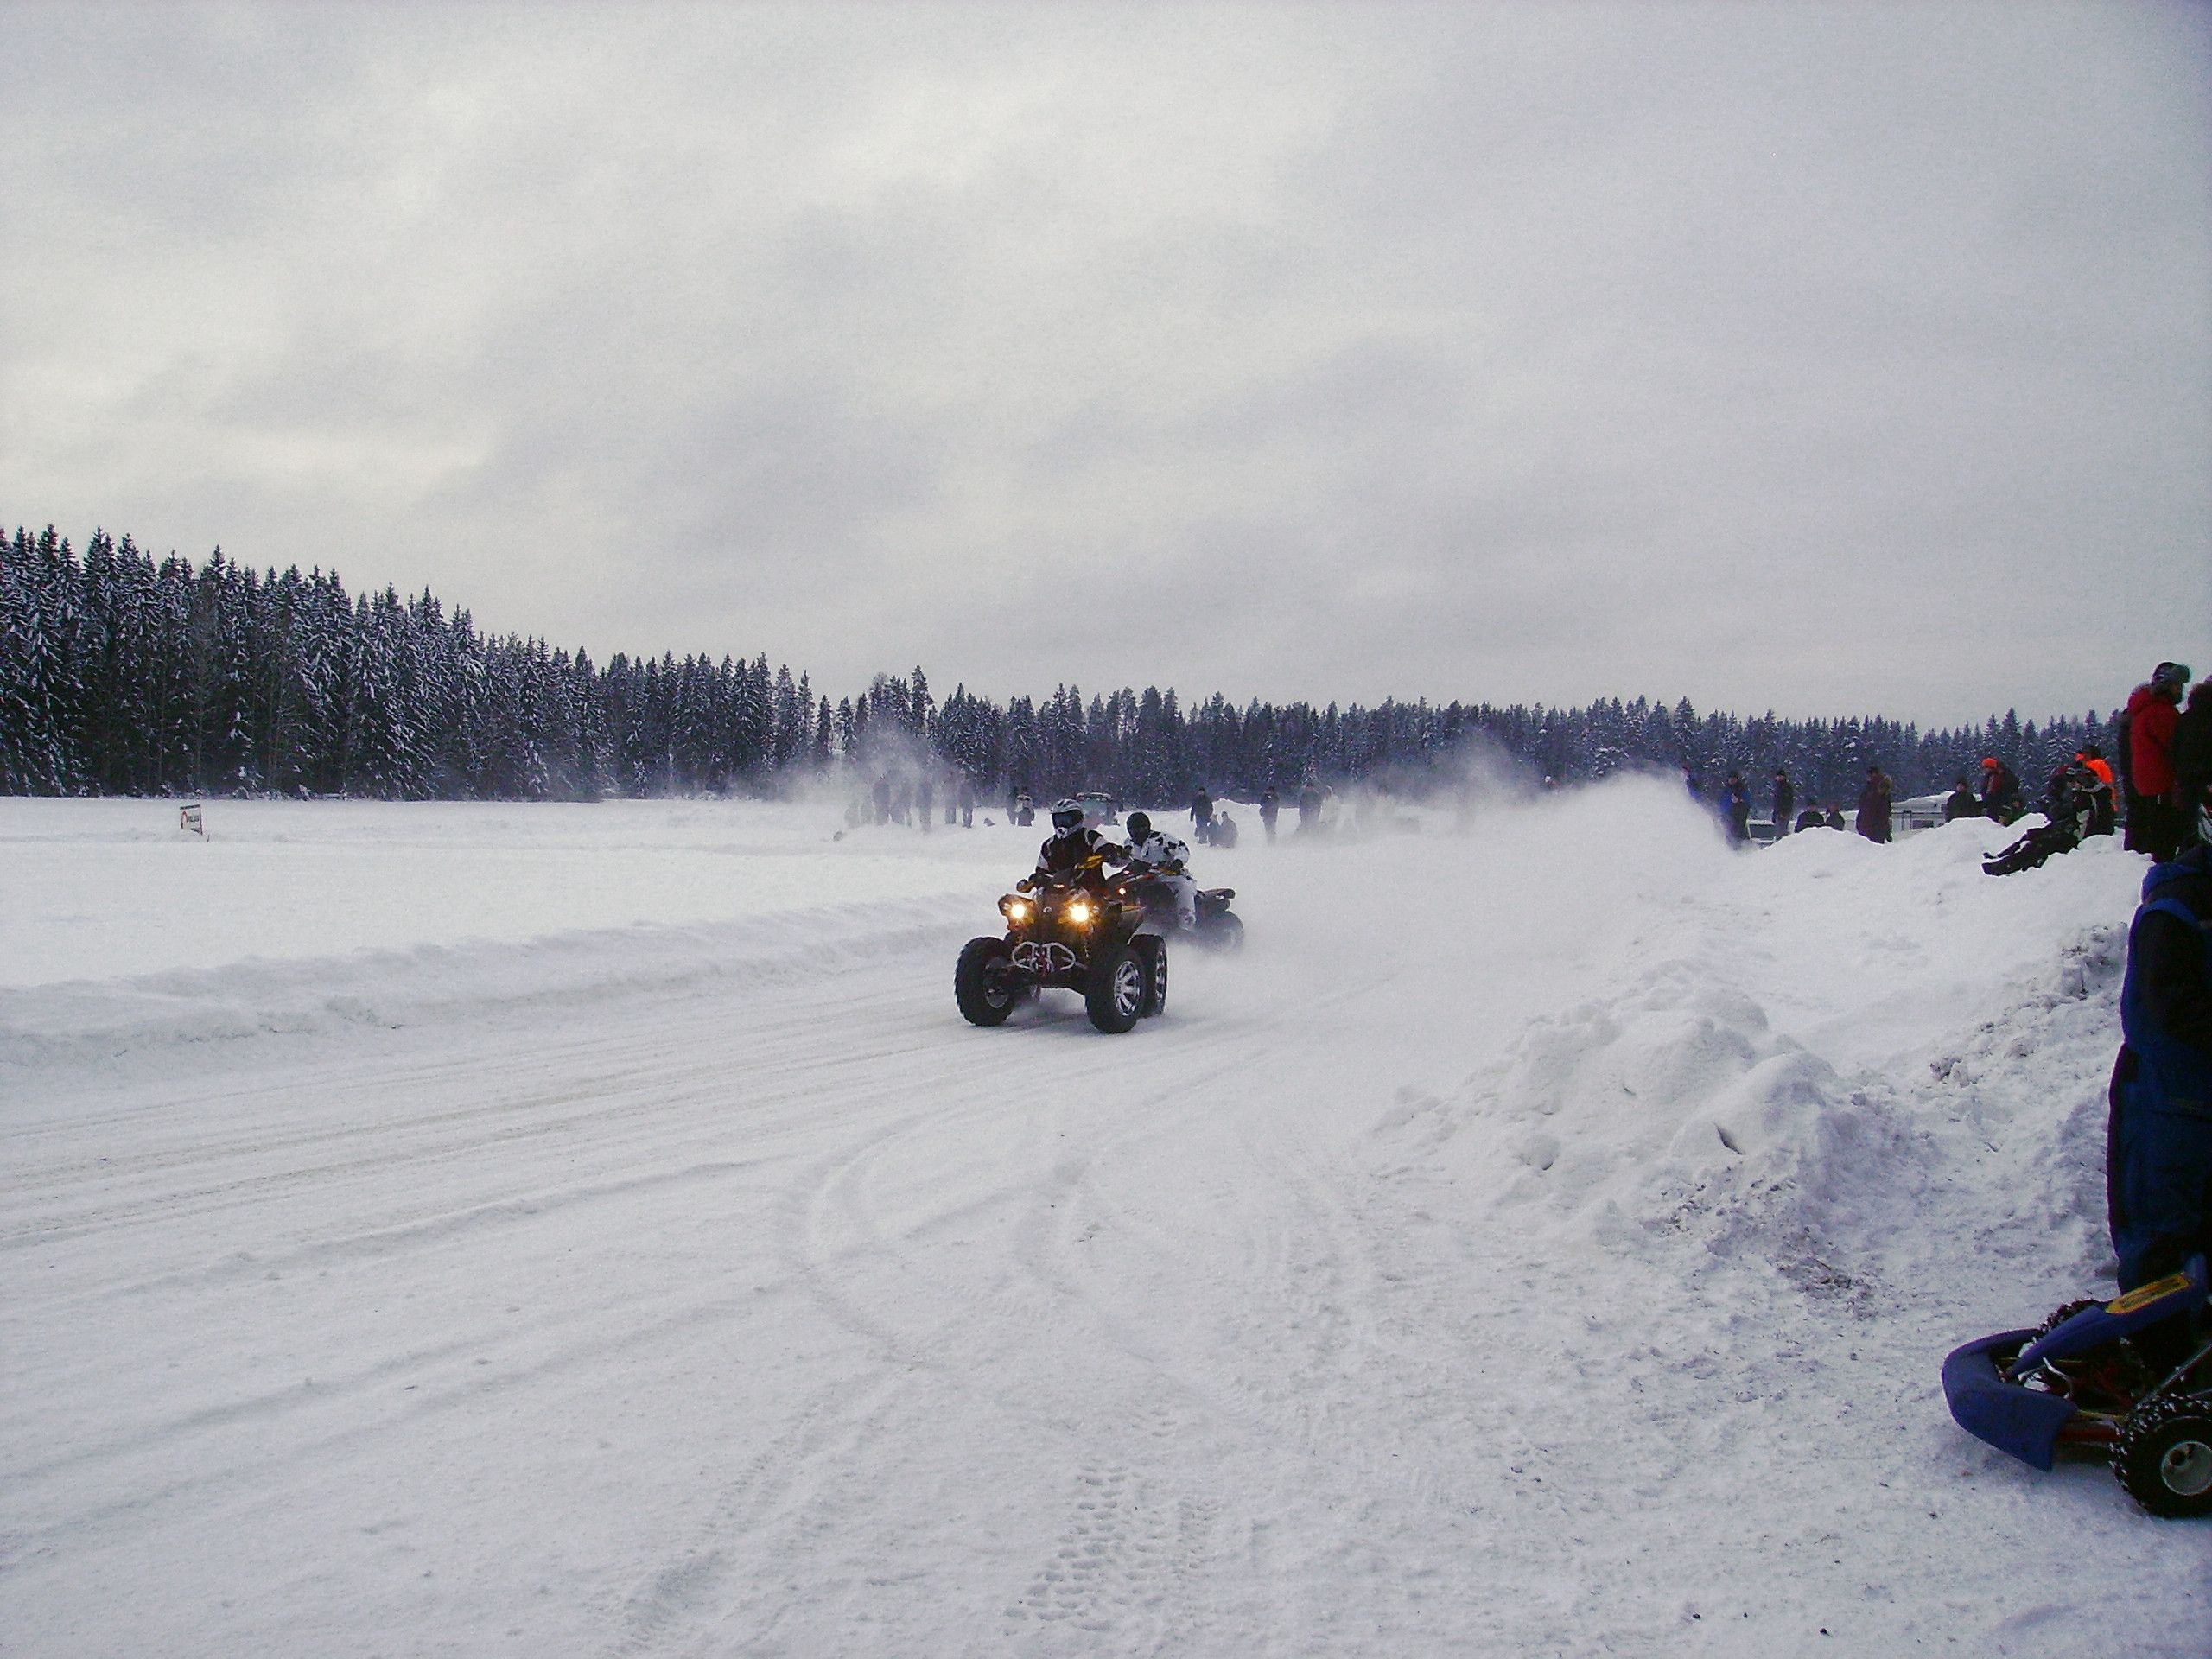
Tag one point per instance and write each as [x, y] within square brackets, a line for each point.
[2144, 1295]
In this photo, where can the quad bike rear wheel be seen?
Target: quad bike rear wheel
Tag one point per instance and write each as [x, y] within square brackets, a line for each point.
[1120, 983]
[1225, 934]
[2164, 1457]
[1155, 951]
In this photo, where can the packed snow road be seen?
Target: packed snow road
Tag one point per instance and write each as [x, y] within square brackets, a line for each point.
[1542, 1240]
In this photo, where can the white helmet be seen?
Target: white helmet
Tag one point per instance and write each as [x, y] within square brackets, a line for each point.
[1068, 815]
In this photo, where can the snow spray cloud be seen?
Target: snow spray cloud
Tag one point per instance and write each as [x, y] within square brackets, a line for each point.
[1504, 902]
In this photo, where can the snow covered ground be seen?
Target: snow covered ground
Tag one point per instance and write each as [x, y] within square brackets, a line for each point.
[443, 1230]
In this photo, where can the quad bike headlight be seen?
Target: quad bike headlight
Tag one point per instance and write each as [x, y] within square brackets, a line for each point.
[1016, 910]
[1080, 911]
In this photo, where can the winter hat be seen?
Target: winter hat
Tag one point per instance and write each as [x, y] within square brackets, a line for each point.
[2170, 674]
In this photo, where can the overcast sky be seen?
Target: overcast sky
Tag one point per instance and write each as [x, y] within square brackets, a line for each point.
[1833, 359]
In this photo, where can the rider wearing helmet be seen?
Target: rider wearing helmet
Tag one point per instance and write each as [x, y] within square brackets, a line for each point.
[1156, 853]
[1073, 844]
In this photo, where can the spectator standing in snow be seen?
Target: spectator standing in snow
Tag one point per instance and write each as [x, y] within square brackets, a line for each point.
[1874, 806]
[1202, 817]
[2159, 1139]
[2154, 819]
[2000, 790]
[1736, 802]
[1309, 809]
[2192, 758]
[1270, 805]
[1785, 802]
[1960, 802]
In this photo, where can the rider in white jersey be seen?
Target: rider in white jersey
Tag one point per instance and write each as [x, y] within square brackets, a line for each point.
[1155, 853]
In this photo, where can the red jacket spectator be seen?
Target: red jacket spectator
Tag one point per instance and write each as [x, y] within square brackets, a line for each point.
[2151, 716]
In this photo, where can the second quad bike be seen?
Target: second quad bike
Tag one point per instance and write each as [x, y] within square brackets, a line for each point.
[1216, 927]
[1081, 933]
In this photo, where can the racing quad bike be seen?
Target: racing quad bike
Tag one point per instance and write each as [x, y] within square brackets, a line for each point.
[2076, 1381]
[1080, 934]
[1218, 927]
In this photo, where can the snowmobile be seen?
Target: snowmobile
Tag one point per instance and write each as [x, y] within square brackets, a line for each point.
[1216, 927]
[2077, 1382]
[2067, 807]
[2044, 843]
[1080, 933]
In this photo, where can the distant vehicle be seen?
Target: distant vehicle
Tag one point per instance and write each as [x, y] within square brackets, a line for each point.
[1104, 809]
[1920, 812]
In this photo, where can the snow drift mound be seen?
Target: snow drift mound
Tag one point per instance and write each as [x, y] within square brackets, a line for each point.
[1805, 1055]
[1670, 1111]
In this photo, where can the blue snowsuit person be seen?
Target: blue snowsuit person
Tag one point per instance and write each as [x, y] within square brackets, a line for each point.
[2159, 1146]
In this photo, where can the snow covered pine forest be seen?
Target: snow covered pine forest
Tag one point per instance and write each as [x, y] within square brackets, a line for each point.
[451, 1226]
[120, 674]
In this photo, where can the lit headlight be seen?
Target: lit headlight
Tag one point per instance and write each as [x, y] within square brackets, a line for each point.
[1017, 910]
[1080, 912]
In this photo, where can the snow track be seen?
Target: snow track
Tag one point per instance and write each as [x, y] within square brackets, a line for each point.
[761, 1307]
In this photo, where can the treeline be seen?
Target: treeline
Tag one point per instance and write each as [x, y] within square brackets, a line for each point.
[123, 675]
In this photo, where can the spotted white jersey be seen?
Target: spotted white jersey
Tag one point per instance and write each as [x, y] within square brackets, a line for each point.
[1157, 850]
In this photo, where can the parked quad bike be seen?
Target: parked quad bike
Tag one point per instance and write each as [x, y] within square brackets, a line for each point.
[1218, 927]
[1081, 934]
[2077, 1382]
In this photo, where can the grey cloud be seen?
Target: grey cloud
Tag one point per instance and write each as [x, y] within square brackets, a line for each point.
[1818, 357]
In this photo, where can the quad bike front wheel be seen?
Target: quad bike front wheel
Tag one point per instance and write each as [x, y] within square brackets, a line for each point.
[979, 982]
[2164, 1457]
[1120, 983]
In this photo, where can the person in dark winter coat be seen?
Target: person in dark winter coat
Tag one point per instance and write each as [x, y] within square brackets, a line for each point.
[2155, 821]
[1960, 802]
[2192, 758]
[1874, 805]
[1810, 819]
[1270, 805]
[1202, 816]
[1736, 803]
[1835, 819]
[1785, 802]
[2158, 1140]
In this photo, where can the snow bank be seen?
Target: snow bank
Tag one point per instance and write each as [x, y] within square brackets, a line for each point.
[1767, 1068]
